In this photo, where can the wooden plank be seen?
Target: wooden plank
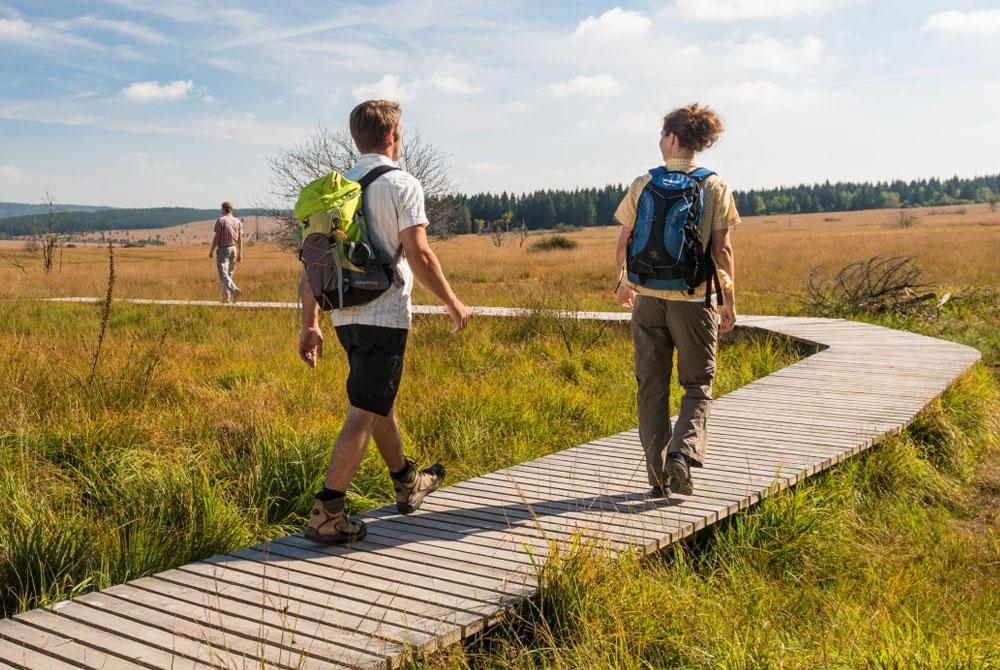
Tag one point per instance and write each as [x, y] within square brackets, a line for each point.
[25, 646]
[301, 607]
[142, 650]
[229, 635]
[279, 640]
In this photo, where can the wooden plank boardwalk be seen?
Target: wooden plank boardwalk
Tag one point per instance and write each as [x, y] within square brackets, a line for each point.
[430, 579]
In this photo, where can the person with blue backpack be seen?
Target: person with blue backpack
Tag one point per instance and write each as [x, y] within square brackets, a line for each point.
[675, 257]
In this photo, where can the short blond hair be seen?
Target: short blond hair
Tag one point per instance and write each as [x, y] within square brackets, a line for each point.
[371, 121]
[227, 207]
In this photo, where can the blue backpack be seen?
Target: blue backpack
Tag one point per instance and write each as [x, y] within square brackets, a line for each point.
[665, 249]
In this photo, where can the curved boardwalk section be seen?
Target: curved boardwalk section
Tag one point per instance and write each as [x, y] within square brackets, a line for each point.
[432, 578]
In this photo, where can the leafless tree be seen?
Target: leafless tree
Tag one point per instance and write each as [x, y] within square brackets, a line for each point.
[326, 150]
[49, 233]
[875, 286]
[522, 231]
[905, 219]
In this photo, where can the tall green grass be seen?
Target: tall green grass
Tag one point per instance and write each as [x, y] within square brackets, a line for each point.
[889, 560]
[202, 432]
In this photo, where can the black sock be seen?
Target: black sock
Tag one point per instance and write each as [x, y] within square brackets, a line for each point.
[404, 473]
[329, 494]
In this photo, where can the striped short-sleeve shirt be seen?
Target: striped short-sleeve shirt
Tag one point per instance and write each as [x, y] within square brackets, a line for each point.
[229, 230]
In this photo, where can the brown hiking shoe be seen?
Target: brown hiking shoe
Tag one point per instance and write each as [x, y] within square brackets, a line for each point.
[329, 525]
[410, 493]
[679, 473]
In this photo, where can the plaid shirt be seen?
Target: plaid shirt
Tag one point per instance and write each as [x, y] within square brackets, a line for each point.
[229, 230]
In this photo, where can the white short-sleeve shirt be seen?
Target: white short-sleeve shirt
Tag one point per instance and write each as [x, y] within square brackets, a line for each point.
[393, 203]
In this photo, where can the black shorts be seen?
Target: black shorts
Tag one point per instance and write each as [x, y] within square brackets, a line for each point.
[375, 356]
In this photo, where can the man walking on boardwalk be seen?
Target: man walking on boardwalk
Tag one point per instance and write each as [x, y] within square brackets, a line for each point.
[374, 334]
[229, 242]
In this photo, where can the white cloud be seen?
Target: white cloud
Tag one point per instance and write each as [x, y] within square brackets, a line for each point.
[613, 25]
[766, 97]
[388, 87]
[731, 10]
[154, 90]
[981, 23]
[453, 78]
[776, 55]
[593, 86]
[9, 171]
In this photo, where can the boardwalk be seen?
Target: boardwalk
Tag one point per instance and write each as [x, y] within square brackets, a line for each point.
[435, 577]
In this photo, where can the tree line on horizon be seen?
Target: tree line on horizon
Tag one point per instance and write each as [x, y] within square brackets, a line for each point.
[72, 222]
[551, 208]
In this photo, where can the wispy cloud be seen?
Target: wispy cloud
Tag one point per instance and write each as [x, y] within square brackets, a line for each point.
[448, 78]
[153, 90]
[592, 86]
[127, 28]
[979, 23]
[761, 52]
[732, 10]
[9, 171]
[614, 25]
[41, 37]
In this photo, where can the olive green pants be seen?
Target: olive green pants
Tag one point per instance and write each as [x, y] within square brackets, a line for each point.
[658, 328]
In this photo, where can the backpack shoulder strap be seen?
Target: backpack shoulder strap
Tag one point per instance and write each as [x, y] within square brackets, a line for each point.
[374, 174]
[700, 174]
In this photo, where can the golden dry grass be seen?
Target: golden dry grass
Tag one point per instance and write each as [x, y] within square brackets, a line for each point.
[956, 246]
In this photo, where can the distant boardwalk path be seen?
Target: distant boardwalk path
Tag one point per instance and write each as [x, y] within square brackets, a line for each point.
[432, 578]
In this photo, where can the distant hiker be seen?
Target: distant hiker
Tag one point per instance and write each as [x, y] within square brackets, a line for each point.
[374, 334]
[229, 242]
[673, 249]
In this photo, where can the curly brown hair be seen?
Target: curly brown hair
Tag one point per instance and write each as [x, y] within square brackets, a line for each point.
[697, 127]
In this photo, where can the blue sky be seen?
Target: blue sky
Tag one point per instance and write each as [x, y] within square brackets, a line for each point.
[156, 102]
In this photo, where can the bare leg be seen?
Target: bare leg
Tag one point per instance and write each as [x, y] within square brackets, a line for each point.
[388, 441]
[349, 449]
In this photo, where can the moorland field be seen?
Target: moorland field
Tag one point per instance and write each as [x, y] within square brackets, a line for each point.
[183, 434]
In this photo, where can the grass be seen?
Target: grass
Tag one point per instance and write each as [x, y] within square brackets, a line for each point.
[202, 432]
[891, 560]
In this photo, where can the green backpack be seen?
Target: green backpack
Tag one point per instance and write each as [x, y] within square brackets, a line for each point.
[342, 265]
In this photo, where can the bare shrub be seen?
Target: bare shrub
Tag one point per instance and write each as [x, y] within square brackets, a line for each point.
[49, 234]
[326, 150]
[498, 235]
[878, 285]
[905, 219]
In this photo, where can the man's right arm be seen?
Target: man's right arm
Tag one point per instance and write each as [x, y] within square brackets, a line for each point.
[311, 337]
[215, 244]
[427, 270]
